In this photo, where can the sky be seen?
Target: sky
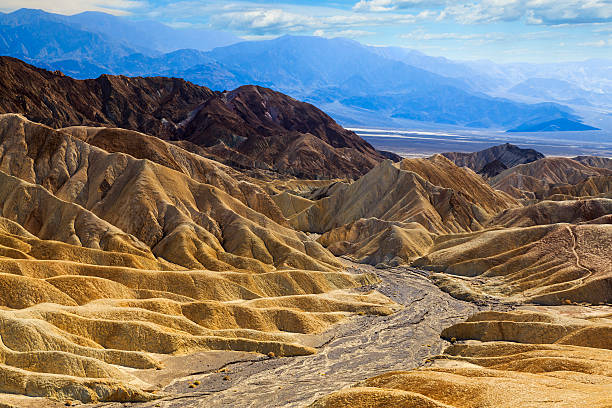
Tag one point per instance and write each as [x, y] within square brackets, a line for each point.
[499, 30]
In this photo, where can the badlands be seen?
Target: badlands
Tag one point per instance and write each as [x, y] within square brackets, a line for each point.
[164, 245]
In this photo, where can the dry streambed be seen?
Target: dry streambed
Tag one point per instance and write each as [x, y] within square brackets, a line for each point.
[361, 348]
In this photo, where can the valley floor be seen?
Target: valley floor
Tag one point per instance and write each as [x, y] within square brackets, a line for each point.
[361, 348]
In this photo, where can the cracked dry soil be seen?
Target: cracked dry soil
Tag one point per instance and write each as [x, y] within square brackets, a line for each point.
[362, 347]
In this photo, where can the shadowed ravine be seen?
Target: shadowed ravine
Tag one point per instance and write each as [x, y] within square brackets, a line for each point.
[361, 348]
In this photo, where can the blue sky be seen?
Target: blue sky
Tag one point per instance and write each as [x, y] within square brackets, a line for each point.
[500, 30]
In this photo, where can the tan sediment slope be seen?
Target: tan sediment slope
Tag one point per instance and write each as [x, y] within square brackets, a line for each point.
[199, 168]
[291, 204]
[536, 178]
[373, 241]
[592, 211]
[600, 186]
[392, 194]
[522, 359]
[108, 261]
[440, 171]
[391, 214]
[184, 221]
[595, 161]
[546, 264]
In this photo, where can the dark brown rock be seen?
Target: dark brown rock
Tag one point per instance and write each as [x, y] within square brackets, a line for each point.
[250, 127]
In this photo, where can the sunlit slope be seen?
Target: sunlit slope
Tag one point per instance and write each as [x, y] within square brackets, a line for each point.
[441, 205]
[108, 261]
[391, 214]
[549, 264]
[521, 359]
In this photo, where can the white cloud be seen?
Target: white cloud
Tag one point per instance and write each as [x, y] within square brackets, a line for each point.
[549, 12]
[600, 43]
[118, 7]
[390, 5]
[421, 35]
[343, 33]
[265, 21]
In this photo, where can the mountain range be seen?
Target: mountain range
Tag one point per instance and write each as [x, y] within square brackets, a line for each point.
[351, 81]
[250, 128]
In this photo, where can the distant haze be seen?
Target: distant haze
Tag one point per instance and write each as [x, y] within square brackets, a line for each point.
[359, 85]
[502, 31]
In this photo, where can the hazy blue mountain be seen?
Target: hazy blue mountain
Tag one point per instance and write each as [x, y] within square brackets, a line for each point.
[590, 81]
[350, 80]
[304, 64]
[559, 90]
[29, 29]
[35, 35]
[474, 78]
[345, 73]
[151, 34]
[556, 125]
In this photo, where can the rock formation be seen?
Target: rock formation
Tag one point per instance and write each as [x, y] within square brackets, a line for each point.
[109, 260]
[546, 264]
[432, 192]
[538, 178]
[250, 127]
[506, 154]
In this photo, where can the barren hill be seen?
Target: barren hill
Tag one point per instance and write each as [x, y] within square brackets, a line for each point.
[391, 213]
[546, 264]
[250, 127]
[508, 155]
[537, 178]
[595, 161]
[392, 194]
[109, 261]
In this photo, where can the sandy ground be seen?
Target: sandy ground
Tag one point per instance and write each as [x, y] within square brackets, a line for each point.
[361, 348]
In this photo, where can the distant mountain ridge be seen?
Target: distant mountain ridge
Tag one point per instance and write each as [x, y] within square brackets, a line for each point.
[250, 127]
[149, 37]
[345, 78]
[555, 125]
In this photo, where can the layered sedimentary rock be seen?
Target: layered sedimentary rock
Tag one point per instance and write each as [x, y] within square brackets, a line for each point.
[547, 264]
[538, 179]
[391, 215]
[250, 127]
[392, 194]
[595, 161]
[109, 260]
[598, 186]
[184, 221]
[373, 241]
[526, 359]
[591, 211]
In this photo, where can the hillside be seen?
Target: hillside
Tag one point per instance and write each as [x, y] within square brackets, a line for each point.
[545, 177]
[391, 215]
[506, 156]
[394, 194]
[250, 127]
[555, 125]
[521, 358]
[97, 245]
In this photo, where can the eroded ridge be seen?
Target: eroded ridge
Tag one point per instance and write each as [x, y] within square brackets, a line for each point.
[109, 262]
